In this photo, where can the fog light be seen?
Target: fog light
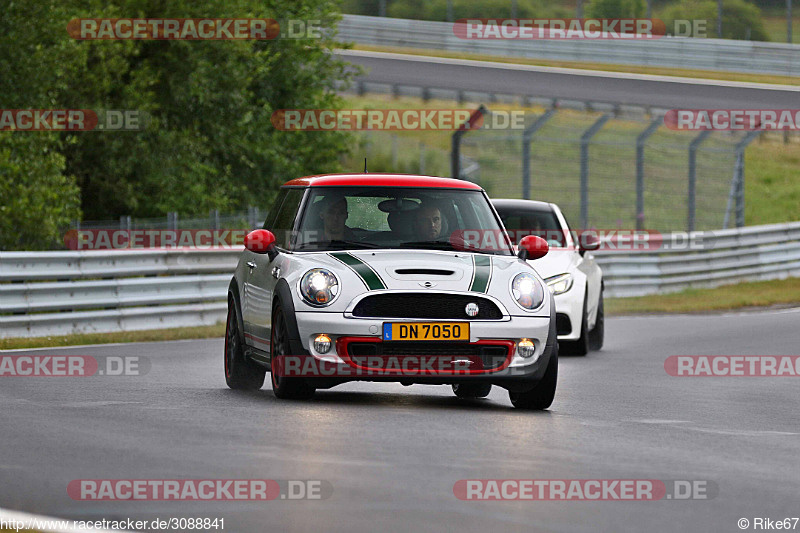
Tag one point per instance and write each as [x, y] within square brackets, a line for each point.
[322, 343]
[526, 348]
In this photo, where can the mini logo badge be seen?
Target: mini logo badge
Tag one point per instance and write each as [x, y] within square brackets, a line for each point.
[427, 284]
[472, 309]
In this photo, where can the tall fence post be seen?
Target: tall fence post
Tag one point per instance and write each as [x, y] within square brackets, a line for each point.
[740, 148]
[125, 222]
[422, 158]
[251, 217]
[641, 139]
[172, 221]
[455, 142]
[527, 135]
[585, 140]
[693, 146]
[736, 193]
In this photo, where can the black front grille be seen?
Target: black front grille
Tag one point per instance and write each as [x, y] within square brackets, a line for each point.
[426, 305]
[563, 324]
[488, 356]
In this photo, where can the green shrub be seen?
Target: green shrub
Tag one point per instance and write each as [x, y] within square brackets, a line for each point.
[737, 17]
[599, 9]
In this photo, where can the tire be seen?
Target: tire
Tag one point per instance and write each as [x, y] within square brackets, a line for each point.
[472, 390]
[598, 333]
[541, 397]
[240, 373]
[285, 388]
[580, 346]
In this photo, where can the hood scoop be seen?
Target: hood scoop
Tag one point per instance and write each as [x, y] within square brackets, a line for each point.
[423, 272]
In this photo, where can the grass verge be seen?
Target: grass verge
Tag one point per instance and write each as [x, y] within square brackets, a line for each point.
[606, 67]
[150, 335]
[739, 296]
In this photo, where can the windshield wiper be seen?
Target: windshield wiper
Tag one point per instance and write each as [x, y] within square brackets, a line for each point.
[336, 245]
[448, 246]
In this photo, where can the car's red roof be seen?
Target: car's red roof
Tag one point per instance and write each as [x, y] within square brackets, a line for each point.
[381, 180]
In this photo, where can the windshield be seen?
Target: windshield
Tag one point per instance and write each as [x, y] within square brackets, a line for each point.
[337, 218]
[544, 224]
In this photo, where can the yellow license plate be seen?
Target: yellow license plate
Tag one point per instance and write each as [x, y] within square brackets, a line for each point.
[426, 331]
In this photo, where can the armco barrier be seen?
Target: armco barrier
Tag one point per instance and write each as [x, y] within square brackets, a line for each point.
[680, 52]
[725, 256]
[59, 293]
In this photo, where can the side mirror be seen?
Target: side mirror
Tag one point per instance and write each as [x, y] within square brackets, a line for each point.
[532, 247]
[588, 242]
[260, 241]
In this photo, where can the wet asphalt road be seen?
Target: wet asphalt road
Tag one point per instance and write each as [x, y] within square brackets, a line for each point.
[393, 454]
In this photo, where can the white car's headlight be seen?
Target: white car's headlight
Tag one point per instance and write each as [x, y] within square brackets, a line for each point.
[527, 291]
[319, 287]
[559, 284]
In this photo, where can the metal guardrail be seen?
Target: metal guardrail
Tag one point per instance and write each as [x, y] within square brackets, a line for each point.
[60, 293]
[680, 52]
[725, 256]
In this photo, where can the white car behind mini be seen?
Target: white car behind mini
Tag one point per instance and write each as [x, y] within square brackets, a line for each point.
[569, 269]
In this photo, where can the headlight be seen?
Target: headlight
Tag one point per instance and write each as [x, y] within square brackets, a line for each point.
[319, 287]
[527, 291]
[559, 284]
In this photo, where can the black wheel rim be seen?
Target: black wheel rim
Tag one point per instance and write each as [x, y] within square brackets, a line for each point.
[231, 341]
[277, 347]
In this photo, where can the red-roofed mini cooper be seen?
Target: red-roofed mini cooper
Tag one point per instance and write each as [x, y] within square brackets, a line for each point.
[363, 277]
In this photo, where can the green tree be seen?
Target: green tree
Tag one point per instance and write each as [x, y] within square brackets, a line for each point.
[599, 9]
[208, 141]
[740, 19]
[37, 200]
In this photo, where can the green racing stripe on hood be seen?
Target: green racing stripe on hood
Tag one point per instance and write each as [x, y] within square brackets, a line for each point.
[482, 273]
[370, 278]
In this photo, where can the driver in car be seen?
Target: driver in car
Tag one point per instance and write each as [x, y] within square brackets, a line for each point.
[428, 223]
[333, 212]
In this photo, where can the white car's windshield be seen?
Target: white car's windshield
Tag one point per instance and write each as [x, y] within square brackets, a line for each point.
[544, 224]
[336, 218]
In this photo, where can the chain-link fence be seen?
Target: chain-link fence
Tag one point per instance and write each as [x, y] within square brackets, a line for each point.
[250, 219]
[605, 169]
[612, 171]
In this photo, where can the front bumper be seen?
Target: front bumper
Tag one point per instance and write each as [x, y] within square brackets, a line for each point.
[570, 306]
[516, 372]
